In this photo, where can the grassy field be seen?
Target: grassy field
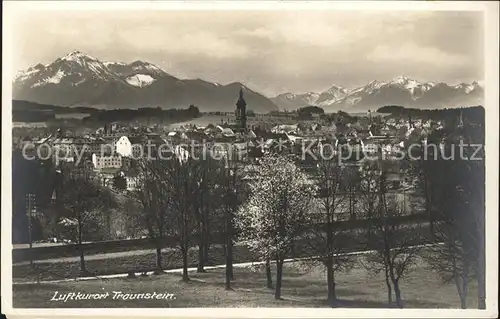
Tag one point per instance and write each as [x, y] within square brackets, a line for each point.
[123, 264]
[303, 286]
[144, 260]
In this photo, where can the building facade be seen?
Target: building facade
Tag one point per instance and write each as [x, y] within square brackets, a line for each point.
[101, 162]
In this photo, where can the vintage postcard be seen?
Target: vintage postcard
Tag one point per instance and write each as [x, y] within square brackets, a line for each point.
[250, 159]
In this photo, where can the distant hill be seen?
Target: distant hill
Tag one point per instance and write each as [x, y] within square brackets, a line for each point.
[78, 79]
[25, 111]
[473, 114]
[19, 105]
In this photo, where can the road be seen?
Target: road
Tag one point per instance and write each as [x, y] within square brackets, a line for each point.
[94, 257]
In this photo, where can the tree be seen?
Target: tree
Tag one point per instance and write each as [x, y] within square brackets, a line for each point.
[231, 190]
[179, 183]
[328, 242]
[120, 182]
[394, 243]
[424, 165]
[460, 228]
[132, 215]
[276, 210]
[83, 202]
[205, 173]
[349, 181]
[153, 197]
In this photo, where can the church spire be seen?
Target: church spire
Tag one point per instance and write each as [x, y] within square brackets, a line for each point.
[460, 120]
[241, 100]
[241, 112]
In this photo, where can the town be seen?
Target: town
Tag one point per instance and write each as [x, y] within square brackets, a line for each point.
[79, 192]
[110, 150]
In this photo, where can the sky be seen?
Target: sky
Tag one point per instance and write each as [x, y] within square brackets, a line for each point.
[270, 51]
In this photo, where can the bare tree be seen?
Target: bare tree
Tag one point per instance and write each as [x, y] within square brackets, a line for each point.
[84, 203]
[153, 197]
[179, 182]
[425, 170]
[329, 242]
[454, 257]
[231, 191]
[395, 244]
[205, 173]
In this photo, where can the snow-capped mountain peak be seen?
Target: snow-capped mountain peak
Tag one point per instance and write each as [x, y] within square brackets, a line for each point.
[25, 74]
[80, 79]
[373, 85]
[77, 56]
[467, 88]
[406, 82]
[401, 90]
[402, 80]
[140, 64]
[335, 88]
[291, 101]
[137, 67]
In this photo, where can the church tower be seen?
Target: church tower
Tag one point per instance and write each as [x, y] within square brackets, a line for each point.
[460, 120]
[241, 111]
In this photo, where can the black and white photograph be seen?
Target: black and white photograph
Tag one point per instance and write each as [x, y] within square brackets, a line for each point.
[333, 155]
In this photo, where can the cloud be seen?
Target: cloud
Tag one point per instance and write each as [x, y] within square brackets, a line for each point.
[410, 53]
[275, 51]
[198, 43]
[316, 34]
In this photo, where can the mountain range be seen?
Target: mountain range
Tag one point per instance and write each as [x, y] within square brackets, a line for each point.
[399, 91]
[78, 79]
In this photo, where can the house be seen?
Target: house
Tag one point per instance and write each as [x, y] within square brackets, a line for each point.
[332, 128]
[222, 138]
[251, 134]
[370, 148]
[123, 146]
[154, 139]
[211, 129]
[132, 146]
[63, 146]
[193, 136]
[100, 162]
[219, 149]
[132, 182]
[294, 139]
[227, 131]
[174, 137]
[107, 174]
[283, 128]
[94, 146]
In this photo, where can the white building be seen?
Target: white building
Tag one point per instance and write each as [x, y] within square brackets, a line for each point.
[132, 183]
[101, 162]
[130, 147]
[123, 146]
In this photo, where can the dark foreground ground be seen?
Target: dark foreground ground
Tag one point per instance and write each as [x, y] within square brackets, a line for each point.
[303, 286]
